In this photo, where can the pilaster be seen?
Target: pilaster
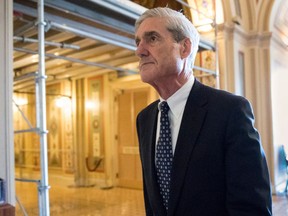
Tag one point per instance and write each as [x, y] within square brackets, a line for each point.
[6, 88]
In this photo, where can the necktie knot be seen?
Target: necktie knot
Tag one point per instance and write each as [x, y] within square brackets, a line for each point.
[164, 107]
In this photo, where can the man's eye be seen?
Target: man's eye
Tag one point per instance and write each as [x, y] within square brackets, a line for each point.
[137, 43]
[153, 38]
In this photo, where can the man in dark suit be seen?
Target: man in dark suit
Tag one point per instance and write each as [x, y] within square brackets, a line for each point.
[216, 164]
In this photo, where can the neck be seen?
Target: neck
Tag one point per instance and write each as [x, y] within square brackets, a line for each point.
[168, 87]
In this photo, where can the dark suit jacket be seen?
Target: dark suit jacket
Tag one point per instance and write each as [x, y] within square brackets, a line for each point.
[219, 167]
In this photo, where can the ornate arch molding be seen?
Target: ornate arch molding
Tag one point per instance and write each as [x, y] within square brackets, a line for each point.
[252, 16]
[240, 12]
[227, 11]
[248, 14]
[249, 20]
[264, 13]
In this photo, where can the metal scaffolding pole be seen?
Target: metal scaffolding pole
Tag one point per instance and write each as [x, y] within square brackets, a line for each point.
[43, 187]
[49, 43]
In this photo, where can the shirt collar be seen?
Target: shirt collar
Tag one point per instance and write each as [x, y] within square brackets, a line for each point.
[178, 100]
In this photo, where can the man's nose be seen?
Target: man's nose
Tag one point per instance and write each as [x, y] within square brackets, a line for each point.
[141, 50]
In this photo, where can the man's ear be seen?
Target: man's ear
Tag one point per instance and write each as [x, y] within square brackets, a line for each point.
[185, 48]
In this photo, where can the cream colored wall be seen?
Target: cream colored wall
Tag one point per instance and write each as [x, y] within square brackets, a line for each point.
[6, 111]
[279, 80]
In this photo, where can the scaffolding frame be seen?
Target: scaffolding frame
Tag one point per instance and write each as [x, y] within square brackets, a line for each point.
[41, 128]
[40, 88]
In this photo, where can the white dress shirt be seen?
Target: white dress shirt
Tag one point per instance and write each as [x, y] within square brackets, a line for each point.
[177, 104]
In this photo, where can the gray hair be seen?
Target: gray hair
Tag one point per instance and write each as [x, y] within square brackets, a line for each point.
[178, 25]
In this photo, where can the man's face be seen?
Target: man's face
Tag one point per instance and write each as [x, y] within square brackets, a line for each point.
[159, 53]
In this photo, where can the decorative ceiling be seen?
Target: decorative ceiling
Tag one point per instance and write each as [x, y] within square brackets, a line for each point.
[159, 3]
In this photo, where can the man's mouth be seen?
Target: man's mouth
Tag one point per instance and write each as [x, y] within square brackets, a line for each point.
[145, 63]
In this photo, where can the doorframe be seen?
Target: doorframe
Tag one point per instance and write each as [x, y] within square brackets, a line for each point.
[127, 83]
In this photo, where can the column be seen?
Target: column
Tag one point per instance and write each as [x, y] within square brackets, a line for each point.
[6, 114]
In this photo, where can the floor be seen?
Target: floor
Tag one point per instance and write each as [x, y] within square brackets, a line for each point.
[94, 201]
[81, 201]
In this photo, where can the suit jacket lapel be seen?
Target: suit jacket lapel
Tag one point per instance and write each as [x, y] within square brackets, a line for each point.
[149, 160]
[193, 118]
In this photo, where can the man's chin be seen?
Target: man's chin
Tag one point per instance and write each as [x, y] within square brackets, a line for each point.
[147, 74]
[146, 79]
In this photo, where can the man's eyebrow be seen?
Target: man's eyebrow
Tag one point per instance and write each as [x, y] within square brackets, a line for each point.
[150, 33]
[147, 35]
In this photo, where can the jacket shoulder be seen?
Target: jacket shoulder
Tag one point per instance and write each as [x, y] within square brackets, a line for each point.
[221, 96]
[147, 110]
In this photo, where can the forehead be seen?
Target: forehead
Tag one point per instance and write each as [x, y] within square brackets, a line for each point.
[157, 24]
